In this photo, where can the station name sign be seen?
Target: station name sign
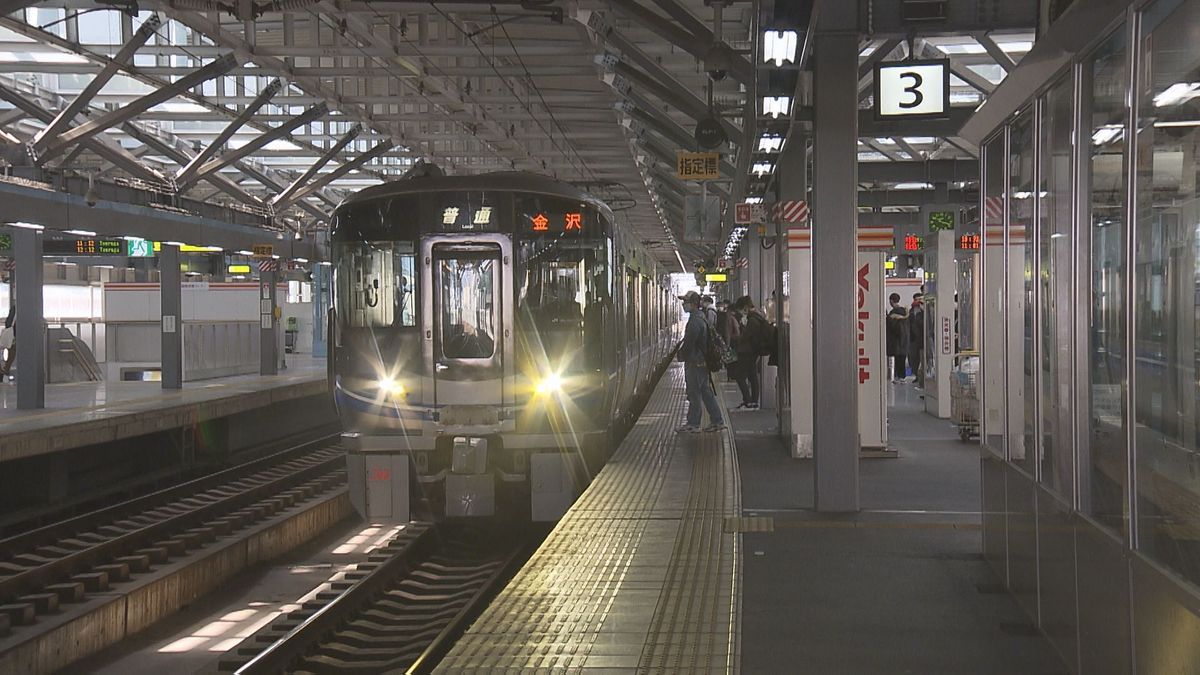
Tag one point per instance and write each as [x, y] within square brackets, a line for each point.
[912, 89]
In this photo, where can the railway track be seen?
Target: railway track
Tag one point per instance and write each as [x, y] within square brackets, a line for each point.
[44, 569]
[399, 611]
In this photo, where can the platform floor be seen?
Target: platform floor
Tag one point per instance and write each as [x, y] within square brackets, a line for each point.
[702, 553]
[110, 410]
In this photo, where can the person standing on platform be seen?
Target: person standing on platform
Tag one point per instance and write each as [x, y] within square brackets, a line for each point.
[897, 337]
[8, 342]
[697, 379]
[729, 329]
[916, 339]
[710, 314]
[755, 341]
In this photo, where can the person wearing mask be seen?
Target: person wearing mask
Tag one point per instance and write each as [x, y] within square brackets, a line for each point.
[697, 379]
[897, 337]
[916, 339]
[755, 341]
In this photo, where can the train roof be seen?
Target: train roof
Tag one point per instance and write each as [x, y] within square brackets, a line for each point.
[506, 181]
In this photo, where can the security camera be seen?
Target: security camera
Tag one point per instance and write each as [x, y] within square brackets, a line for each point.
[717, 62]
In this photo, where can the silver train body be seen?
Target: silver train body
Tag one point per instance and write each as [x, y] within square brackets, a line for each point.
[491, 336]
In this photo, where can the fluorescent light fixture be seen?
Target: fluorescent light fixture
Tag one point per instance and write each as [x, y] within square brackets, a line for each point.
[28, 226]
[678, 257]
[754, 200]
[173, 243]
[762, 168]
[1178, 123]
[780, 46]
[300, 260]
[245, 252]
[776, 106]
[919, 140]
[770, 143]
[326, 263]
[1107, 134]
[129, 238]
[1175, 94]
[913, 186]
[81, 233]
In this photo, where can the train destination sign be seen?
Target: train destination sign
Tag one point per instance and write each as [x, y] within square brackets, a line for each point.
[698, 165]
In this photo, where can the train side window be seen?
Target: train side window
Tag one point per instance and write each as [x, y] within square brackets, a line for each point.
[375, 284]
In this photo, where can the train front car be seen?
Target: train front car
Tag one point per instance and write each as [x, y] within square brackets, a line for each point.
[473, 345]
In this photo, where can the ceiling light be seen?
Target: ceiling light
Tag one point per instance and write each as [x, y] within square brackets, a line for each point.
[753, 200]
[300, 260]
[1178, 123]
[776, 106]
[28, 226]
[762, 168]
[245, 252]
[174, 243]
[81, 233]
[1176, 94]
[779, 46]
[770, 143]
[1107, 134]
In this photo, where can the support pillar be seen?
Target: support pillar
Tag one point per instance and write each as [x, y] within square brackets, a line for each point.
[268, 349]
[796, 333]
[834, 254]
[320, 302]
[30, 328]
[170, 295]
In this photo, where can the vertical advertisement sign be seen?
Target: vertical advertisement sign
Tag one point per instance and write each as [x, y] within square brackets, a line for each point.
[871, 358]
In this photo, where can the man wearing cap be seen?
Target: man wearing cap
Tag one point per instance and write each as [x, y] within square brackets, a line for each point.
[695, 369]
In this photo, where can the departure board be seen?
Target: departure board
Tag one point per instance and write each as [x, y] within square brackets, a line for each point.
[71, 247]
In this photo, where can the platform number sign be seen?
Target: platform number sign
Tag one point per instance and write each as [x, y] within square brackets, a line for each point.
[912, 89]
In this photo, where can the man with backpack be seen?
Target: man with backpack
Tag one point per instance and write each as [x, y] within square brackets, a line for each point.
[696, 354]
[757, 339]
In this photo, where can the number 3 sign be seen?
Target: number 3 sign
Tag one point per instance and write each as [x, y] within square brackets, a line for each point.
[912, 89]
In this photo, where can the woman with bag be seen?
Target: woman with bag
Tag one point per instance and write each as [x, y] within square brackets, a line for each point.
[8, 341]
[754, 341]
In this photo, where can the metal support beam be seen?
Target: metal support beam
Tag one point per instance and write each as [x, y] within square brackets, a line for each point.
[108, 151]
[680, 98]
[182, 157]
[135, 108]
[114, 65]
[834, 255]
[285, 196]
[30, 329]
[1001, 57]
[346, 167]
[904, 145]
[187, 174]
[741, 69]
[314, 113]
[884, 150]
[171, 304]
[930, 171]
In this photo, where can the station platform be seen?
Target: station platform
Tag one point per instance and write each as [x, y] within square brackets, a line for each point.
[702, 553]
[88, 413]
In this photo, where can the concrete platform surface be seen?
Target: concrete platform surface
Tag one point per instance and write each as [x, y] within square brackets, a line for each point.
[86, 413]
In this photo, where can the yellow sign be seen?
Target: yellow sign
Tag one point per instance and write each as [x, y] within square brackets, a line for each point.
[263, 250]
[716, 278]
[889, 265]
[698, 165]
[188, 248]
[239, 269]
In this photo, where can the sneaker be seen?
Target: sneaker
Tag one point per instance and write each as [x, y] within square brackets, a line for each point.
[687, 429]
[714, 427]
[742, 406]
[751, 406]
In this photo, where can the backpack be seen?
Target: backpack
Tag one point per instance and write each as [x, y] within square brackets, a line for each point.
[763, 338]
[717, 354]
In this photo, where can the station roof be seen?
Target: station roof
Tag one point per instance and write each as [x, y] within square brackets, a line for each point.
[278, 110]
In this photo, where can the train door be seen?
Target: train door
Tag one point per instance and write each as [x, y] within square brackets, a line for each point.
[468, 334]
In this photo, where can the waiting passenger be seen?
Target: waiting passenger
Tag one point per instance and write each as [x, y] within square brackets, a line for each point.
[710, 314]
[8, 342]
[697, 379]
[897, 337]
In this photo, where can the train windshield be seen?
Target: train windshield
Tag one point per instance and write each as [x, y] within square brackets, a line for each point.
[468, 320]
[376, 284]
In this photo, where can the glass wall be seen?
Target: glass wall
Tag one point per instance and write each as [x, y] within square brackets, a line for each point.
[993, 303]
[1166, 301]
[1056, 245]
[1104, 450]
[1020, 264]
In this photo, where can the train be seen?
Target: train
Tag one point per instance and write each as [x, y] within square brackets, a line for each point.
[491, 337]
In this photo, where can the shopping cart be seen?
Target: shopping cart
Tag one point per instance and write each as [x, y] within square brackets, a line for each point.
[964, 394]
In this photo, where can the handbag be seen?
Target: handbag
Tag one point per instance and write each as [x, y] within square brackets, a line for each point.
[7, 337]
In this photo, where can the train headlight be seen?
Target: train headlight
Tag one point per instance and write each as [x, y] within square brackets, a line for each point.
[551, 384]
[389, 387]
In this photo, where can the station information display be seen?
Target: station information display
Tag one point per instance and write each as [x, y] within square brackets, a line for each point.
[968, 242]
[84, 247]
